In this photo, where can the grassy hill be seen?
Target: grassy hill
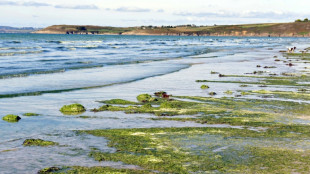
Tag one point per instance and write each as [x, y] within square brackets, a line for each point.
[296, 29]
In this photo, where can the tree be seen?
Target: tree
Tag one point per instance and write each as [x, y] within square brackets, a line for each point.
[298, 20]
[306, 20]
[81, 28]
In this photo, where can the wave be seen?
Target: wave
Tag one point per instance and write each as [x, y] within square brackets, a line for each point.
[14, 42]
[65, 48]
[25, 74]
[19, 48]
[52, 60]
[37, 93]
[88, 41]
[21, 52]
[71, 42]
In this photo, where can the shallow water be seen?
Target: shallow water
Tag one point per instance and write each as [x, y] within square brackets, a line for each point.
[41, 73]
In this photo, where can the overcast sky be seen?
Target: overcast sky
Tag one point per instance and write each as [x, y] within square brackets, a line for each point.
[42, 13]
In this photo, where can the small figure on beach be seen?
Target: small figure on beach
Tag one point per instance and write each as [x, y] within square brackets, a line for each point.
[291, 50]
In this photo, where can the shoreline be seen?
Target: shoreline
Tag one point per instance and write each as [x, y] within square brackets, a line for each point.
[297, 29]
[109, 34]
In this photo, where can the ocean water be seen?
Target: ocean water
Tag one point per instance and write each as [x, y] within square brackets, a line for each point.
[41, 73]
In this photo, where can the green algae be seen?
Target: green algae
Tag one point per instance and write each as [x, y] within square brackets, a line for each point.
[11, 118]
[204, 87]
[245, 93]
[265, 80]
[170, 150]
[38, 142]
[228, 92]
[208, 110]
[92, 170]
[30, 114]
[285, 94]
[147, 106]
[298, 54]
[144, 98]
[118, 102]
[73, 109]
[49, 170]
[267, 106]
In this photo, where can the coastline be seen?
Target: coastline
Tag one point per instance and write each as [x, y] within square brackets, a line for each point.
[246, 30]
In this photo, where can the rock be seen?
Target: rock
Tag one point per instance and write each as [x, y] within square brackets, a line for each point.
[104, 108]
[144, 98]
[38, 142]
[204, 87]
[212, 93]
[160, 93]
[73, 109]
[48, 170]
[270, 67]
[11, 118]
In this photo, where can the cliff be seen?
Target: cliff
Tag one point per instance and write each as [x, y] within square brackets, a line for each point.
[296, 29]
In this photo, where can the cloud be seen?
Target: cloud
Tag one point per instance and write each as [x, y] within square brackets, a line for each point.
[80, 7]
[135, 10]
[40, 4]
[160, 10]
[132, 9]
[8, 3]
[28, 3]
[35, 4]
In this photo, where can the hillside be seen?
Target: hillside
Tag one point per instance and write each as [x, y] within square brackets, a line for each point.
[297, 29]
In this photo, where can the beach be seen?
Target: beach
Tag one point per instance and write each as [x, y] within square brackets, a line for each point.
[254, 106]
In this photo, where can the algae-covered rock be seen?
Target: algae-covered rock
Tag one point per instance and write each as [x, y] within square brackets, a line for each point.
[104, 108]
[144, 98]
[228, 92]
[160, 93]
[30, 114]
[73, 109]
[48, 170]
[11, 118]
[39, 142]
[204, 87]
[147, 106]
[212, 93]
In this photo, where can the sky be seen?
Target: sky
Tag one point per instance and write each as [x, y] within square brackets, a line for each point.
[125, 13]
